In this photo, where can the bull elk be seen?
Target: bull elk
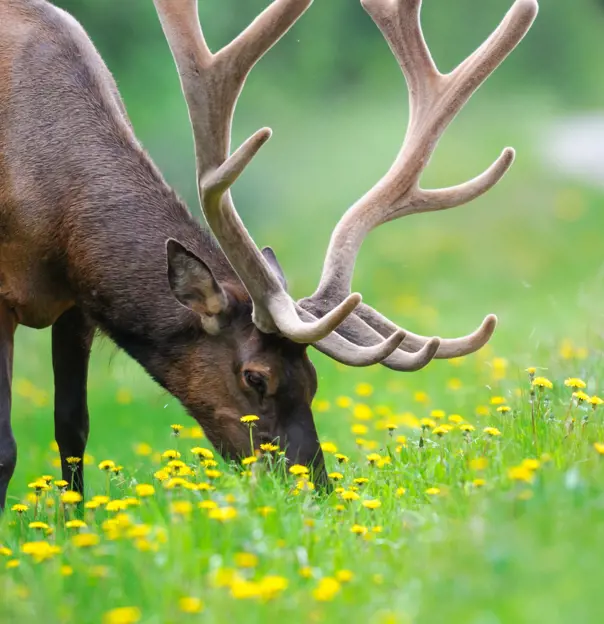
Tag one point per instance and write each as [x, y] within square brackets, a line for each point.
[91, 236]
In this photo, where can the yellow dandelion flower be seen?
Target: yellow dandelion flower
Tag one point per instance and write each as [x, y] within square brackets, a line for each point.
[358, 529]
[542, 382]
[207, 504]
[213, 474]
[202, 453]
[349, 495]
[492, 431]
[40, 551]
[421, 397]
[361, 480]
[372, 458]
[359, 430]
[321, 405]
[344, 576]
[521, 473]
[181, 508]
[371, 504]
[497, 400]
[433, 491]
[329, 447]
[342, 459]
[344, 402]
[39, 485]
[362, 412]
[581, 396]
[400, 492]
[19, 508]
[531, 464]
[61, 484]
[85, 540]
[76, 524]
[176, 429]
[575, 382]
[265, 511]
[116, 505]
[123, 615]
[454, 384]
[222, 514]
[478, 483]
[39, 526]
[531, 370]
[438, 414]
[66, 570]
[246, 560]
[269, 447]
[249, 419]
[5, 552]
[248, 461]
[479, 463]
[12, 563]
[595, 401]
[599, 446]
[298, 469]
[427, 423]
[71, 498]
[467, 428]
[336, 476]
[504, 409]
[364, 389]
[107, 465]
[190, 605]
[143, 449]
[170, 454]
[327, 589]
[73, 461]
[144, 490]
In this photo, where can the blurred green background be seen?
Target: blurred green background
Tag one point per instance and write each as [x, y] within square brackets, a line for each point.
[530, 251]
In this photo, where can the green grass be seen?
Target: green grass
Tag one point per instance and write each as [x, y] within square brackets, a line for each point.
[504, 552]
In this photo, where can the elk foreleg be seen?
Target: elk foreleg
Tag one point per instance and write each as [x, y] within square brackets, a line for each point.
[72, 336]
[8, 447]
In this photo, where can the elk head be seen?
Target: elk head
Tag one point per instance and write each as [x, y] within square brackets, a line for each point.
[270, 374]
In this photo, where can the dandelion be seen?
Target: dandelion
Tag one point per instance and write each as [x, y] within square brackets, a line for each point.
[372, 504]
[349, 495]
[599, 446]
[144, 490]
[521, 473]
[467, 428]
[595, 401]
[61, 484]
[427, 423]
[298, 469]
[361, 480]
[478, 483]
[181, 508]
[248, 461]
[400, 492]
[39, 526]
[123, 615]
[19, 508]
[170, 454]
[344, 576]
[176, 429]
[246, 560]
[213, 474]
[497, 400]
[40, 551]
[373, 458]
[342, 459]
[5, 552]
[542, 383]
[107, 465]
[269, 447]
[85, 540]
[359, 429]
[66, 570]
[336, 476]
[493, 432]
[581, 397]
[116, 505]
[344, 402]
[329, 447]
[249, 420]
[73, 461]
[479, 463]
[190, 605]
[358, 529]
[531, 370]
[575, 382]
[327, 589]
[364, 389]
[265, 511]
[75, 524]
[39, 486]
[71, 498]
[222, 514]
[503, 409]
[438, 414]
[12, 563]
[433, 491]
[143, 449]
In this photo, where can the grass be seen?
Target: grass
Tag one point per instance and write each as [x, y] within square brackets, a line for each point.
[485, 548]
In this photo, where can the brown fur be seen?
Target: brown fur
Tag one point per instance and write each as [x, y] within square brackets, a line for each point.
[84, 221]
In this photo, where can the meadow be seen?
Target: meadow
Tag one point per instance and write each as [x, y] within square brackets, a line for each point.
[469, 492]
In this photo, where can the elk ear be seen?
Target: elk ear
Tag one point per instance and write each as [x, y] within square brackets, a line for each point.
[271, 258]
[195, 287]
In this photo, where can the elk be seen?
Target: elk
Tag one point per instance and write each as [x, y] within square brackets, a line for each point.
[92, 238]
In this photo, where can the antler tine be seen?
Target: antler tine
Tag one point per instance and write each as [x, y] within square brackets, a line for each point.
[211, 84]
[435, 99]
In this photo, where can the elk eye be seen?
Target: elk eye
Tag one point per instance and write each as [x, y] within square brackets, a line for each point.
[256, 381]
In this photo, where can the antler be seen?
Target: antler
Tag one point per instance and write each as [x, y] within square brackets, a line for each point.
[435, 99]
[211, 84]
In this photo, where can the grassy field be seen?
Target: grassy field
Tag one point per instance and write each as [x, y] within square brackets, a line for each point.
[468, 496]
